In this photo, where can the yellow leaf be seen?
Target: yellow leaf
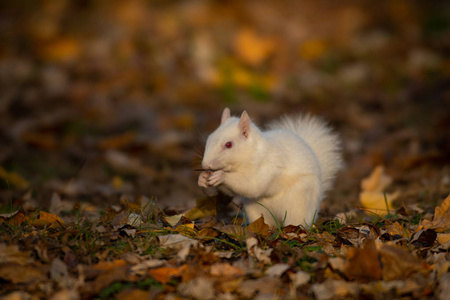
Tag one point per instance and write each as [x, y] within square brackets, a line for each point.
[46, 219]
[372, 197]
[376, 202]
[377, 181]
[205, 207]
[13, 179]
[186, 230]
[253, 48]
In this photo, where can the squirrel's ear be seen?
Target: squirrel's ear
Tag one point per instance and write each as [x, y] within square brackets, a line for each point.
[244, 124]
[225, 115]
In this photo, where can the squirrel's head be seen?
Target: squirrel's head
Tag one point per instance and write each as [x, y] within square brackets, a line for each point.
[230, 145]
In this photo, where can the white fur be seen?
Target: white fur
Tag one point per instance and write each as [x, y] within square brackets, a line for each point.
[285, 170]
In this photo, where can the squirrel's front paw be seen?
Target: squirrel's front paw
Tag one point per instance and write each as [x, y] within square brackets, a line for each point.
[216, 178]
[203, 179]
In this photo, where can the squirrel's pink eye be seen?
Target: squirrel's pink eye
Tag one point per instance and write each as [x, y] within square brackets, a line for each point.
[228, 145]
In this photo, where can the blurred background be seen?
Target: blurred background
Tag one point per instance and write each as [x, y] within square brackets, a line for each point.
[103, 100]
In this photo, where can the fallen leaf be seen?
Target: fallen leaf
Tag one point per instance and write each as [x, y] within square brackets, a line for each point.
[176, 241]
[208, 233]
[235, 232]
[423, 238]
[377, 181]
[443, 238]
[173, 220]
[46, 219]
[255, 251]
[16, 218]
[165, 274]
[259, 227]
[363, 264]
[205, 207]
[399, 263]
[372, 196]
[441, 219]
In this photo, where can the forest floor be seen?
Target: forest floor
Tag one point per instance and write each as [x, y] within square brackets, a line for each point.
[104, 112]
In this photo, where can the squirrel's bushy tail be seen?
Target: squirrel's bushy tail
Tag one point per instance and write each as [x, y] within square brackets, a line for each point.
[321, 138]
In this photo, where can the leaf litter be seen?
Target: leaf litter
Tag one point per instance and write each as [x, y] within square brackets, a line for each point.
[98, 194]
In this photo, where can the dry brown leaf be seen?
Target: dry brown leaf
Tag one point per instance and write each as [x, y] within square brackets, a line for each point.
[399, 263]
[233, 231]
[165, 274]
[396, 229]
[186, 230]
[259, 227]
[208, 233]
[441, 219]
[363, 264]
[443, 238]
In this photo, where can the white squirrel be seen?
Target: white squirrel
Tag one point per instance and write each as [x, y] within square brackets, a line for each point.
[282, 173]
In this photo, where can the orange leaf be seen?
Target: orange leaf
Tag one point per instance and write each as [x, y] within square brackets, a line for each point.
[165, 274]
[46, 219]
[441, 219]
[108, 265]
[259, 227]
